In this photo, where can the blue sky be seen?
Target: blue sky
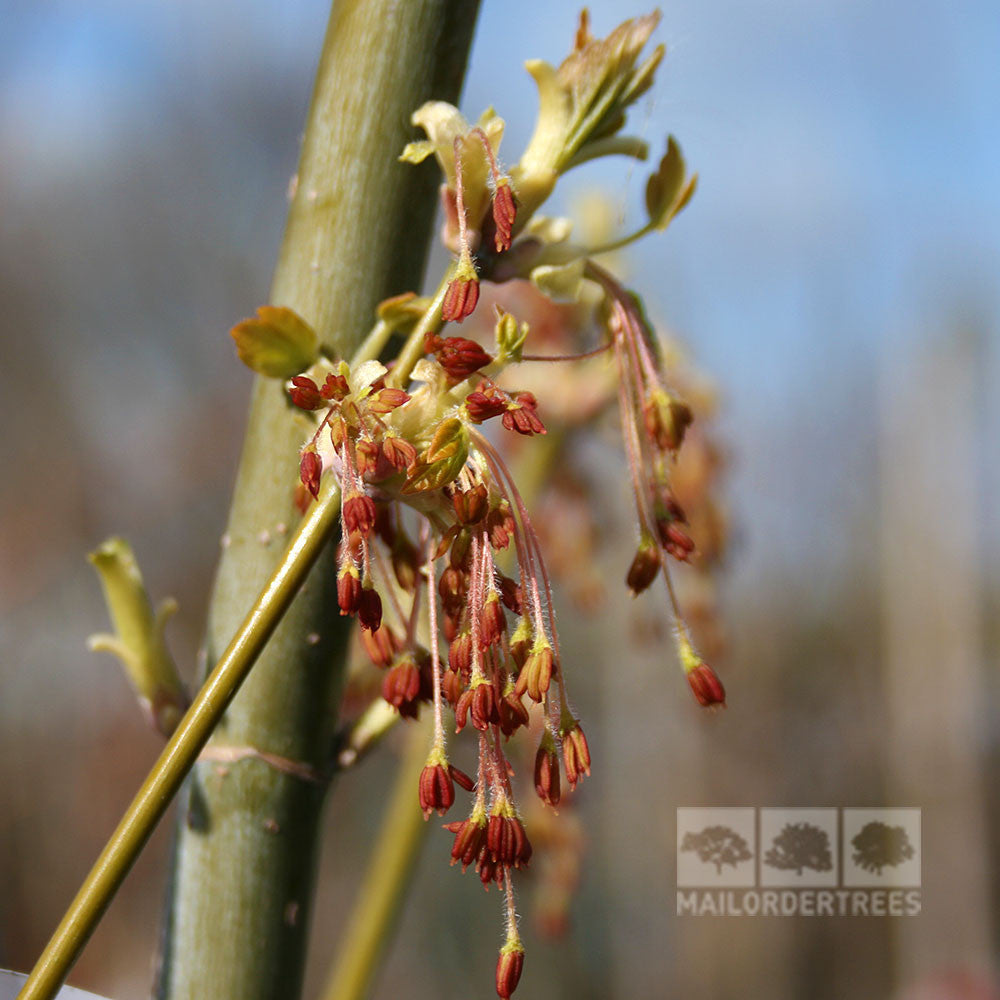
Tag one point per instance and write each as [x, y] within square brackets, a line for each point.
[848, 209]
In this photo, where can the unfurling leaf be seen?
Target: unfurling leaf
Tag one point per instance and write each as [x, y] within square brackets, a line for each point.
[669, 190]
[443, 460]
[560, 282]
[277, 342]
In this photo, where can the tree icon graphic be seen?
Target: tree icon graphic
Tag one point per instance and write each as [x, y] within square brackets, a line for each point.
[879, 845]
[717, 845]
[799, 846]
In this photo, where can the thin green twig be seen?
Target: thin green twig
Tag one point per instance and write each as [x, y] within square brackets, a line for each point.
[180, 753]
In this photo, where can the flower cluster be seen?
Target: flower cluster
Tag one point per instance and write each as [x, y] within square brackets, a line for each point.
[438, 559]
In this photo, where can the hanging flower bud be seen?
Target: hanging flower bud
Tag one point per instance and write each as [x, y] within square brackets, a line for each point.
[504, 213]
[310, 470]
[513, 714]
[645, 565]
[510, 594]
[471, 506]
[370, 609]
[706, 685]
[463, 293]
[437, 790]
[491, 621]
[470, 838]
[547, 771]
[380, 645]
[402, 682]
[666, 419]
[510, 962]
[359, 514]
[576, 752]
[349, 589]
[506, 840]
[536, 674]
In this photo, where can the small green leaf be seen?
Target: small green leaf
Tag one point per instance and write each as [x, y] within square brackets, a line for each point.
[668, 190]
[560, 282]
[277, 342]
[443, 460]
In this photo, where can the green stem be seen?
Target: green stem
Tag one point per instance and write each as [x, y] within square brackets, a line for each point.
[357, 233]
[180, 753]
[387, 880]
[430, 322]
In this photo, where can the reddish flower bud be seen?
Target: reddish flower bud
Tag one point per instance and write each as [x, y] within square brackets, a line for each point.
[470, 838]
[461, 778]
[460, 653]
[576, 752]
[367, 455]
[452, 686]
[500, 525]
[437, 790]
[510, 594]
[706, 685]
[484, 706]
[380, 645]
[310, 470]
[305, 394]
[510, 962]
[676, 541]
[513, 714]
[335, 387]
[547, 771]
[521, 415]
[471, 506]
[506, 841]
[488, 870]
[481, 406]
[370, 609]
[359, 513]
[491, 621]
[401, 684]
[385, 400]
[399, 453]
[645, 565]
[666, 420]
[460, 299]
[536, 674]
[349, 589]
[504, 213]
[461, 357]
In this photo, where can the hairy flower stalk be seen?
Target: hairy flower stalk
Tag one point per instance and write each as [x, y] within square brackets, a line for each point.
[429, 501]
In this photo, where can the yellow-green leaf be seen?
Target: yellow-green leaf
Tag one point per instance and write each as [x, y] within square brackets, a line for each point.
[443, 460]
[669, 190]
[277, 342]
[560, 282]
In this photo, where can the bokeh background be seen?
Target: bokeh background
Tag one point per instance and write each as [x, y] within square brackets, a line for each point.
[836, 276]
